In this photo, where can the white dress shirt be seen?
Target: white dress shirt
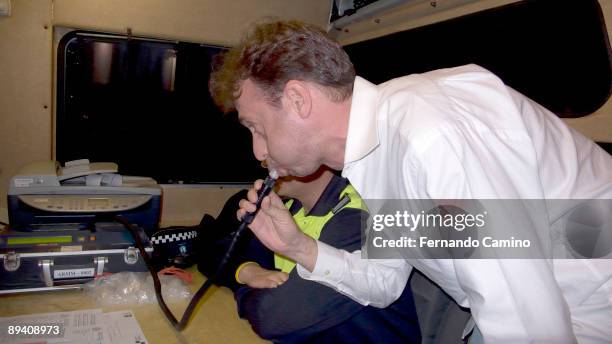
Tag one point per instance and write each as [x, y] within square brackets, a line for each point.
[461, 133]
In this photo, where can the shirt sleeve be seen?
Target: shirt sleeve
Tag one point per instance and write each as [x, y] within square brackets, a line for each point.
[376, 283]
[369, 282]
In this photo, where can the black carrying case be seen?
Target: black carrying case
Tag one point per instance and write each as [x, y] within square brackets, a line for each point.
[38, 261]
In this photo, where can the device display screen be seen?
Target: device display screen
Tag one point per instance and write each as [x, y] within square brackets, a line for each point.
[98, 202]
[59, 239]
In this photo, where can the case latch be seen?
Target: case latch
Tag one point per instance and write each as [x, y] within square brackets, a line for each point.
[99, 265]
[46, 265]
[11, 261]
[131, 255]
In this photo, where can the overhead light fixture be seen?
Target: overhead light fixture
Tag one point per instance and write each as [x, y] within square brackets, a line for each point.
[351, 11]
[5, 8]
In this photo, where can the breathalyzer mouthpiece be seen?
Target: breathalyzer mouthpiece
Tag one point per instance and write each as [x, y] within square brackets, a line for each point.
[273, 174]
[266, 187]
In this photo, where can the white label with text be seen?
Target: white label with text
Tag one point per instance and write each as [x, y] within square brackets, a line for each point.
[73, 273]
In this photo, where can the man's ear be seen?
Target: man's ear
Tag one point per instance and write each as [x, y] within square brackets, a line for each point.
[298, 98]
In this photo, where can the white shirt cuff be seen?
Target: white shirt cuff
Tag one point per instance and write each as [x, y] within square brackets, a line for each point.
[329, 267]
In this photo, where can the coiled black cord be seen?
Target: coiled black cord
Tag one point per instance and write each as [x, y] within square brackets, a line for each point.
[267, 186]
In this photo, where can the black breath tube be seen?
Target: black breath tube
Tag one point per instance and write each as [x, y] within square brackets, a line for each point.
[265, 190]
[266, 187]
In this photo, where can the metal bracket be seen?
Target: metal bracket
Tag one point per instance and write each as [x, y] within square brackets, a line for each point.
[99, 264]
[131, 255]
[11, 261]
[5, 8]
[46, 267]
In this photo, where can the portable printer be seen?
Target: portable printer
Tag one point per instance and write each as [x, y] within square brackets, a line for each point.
[61, 229]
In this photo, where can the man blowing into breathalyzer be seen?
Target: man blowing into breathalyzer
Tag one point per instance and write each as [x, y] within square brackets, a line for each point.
[457, 133]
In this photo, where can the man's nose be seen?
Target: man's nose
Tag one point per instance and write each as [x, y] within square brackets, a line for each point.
[259, 149]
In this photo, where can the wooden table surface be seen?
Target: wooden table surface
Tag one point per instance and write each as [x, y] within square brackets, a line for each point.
[214, 321]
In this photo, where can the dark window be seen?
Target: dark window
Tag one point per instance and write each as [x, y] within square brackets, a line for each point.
[555, 52]
[145, 105]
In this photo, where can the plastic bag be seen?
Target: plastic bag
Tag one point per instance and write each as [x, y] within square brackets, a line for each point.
[135, 288]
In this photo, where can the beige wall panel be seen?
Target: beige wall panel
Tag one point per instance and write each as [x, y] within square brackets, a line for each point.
[209, 21]
[185, 205]
[25, 88]
[597, 126]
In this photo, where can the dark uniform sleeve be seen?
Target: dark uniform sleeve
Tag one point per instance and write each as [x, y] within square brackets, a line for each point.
[250, 250]
[299, 308]
[217, 238]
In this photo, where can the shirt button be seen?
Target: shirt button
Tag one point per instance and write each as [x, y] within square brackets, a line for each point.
[327, 272]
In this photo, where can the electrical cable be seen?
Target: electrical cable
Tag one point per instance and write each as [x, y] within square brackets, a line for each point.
[265, 190]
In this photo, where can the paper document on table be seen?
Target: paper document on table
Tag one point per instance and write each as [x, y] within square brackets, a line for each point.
[87, 327]
[123, 328]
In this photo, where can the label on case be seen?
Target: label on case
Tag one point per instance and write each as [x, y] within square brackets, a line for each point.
[73, 273]
[23, 182]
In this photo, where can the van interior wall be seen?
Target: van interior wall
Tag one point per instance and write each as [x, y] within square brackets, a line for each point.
[413, 14]
[27, 58]
[25, 90]
[27, 65]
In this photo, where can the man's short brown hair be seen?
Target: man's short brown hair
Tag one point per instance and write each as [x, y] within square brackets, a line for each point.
[274, 53]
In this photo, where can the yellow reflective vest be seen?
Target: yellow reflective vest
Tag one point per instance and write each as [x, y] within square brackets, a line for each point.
[312, 225]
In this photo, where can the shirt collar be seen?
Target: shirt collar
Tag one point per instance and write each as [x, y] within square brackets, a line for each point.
[362, 135]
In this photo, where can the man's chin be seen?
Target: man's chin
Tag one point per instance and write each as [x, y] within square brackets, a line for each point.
[287, 173]
[283, 172]
[297, 172]
[305, 173]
